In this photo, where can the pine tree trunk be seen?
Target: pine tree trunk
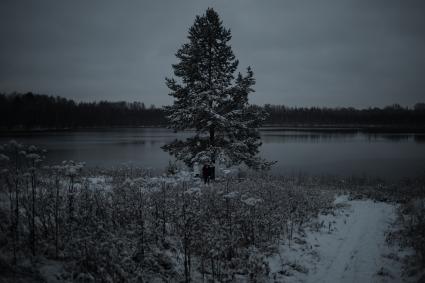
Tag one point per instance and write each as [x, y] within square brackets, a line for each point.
[212, 132]
[212, 143]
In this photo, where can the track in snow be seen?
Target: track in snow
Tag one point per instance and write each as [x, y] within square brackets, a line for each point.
[354, 250]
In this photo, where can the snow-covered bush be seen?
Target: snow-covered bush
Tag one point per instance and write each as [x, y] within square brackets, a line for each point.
[116, 225]
[413, 216]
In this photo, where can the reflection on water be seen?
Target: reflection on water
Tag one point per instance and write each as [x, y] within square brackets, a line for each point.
[314, 136]
[291, 136]
[308, 151]
[420, 138]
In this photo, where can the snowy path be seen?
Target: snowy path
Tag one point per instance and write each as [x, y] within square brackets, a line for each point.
[353, 251]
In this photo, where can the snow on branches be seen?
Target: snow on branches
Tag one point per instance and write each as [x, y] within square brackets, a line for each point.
[211, 101]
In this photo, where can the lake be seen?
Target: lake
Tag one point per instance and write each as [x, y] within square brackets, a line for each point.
[392, 156]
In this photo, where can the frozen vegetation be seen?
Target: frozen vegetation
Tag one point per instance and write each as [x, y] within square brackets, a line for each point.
[68, 223]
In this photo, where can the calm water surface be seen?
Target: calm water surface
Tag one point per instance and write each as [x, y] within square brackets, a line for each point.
[312, 152]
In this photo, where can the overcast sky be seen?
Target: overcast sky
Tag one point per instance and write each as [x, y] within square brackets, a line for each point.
[303, 53]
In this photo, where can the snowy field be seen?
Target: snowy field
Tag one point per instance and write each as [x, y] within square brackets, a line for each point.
[66, 223]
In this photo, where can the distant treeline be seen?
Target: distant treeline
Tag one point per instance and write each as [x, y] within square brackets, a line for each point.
[394, 115]
[29, 111]
[32, 111]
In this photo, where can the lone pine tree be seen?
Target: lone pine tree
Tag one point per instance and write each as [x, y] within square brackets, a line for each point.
[210, 100]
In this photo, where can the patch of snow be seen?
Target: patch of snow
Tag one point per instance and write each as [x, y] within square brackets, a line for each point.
[252, 201]
[4, 157]
[51, 272]
[231, 195]
[194, 190]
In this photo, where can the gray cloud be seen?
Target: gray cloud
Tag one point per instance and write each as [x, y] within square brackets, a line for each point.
[327, 53]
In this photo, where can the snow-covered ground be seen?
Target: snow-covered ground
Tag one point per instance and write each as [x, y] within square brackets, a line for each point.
[345, 246]
[243, 230]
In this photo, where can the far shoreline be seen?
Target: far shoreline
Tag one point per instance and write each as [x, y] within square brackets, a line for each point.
[372, 128]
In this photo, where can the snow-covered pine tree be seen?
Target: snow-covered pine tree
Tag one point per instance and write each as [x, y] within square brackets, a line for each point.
[210, 100]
